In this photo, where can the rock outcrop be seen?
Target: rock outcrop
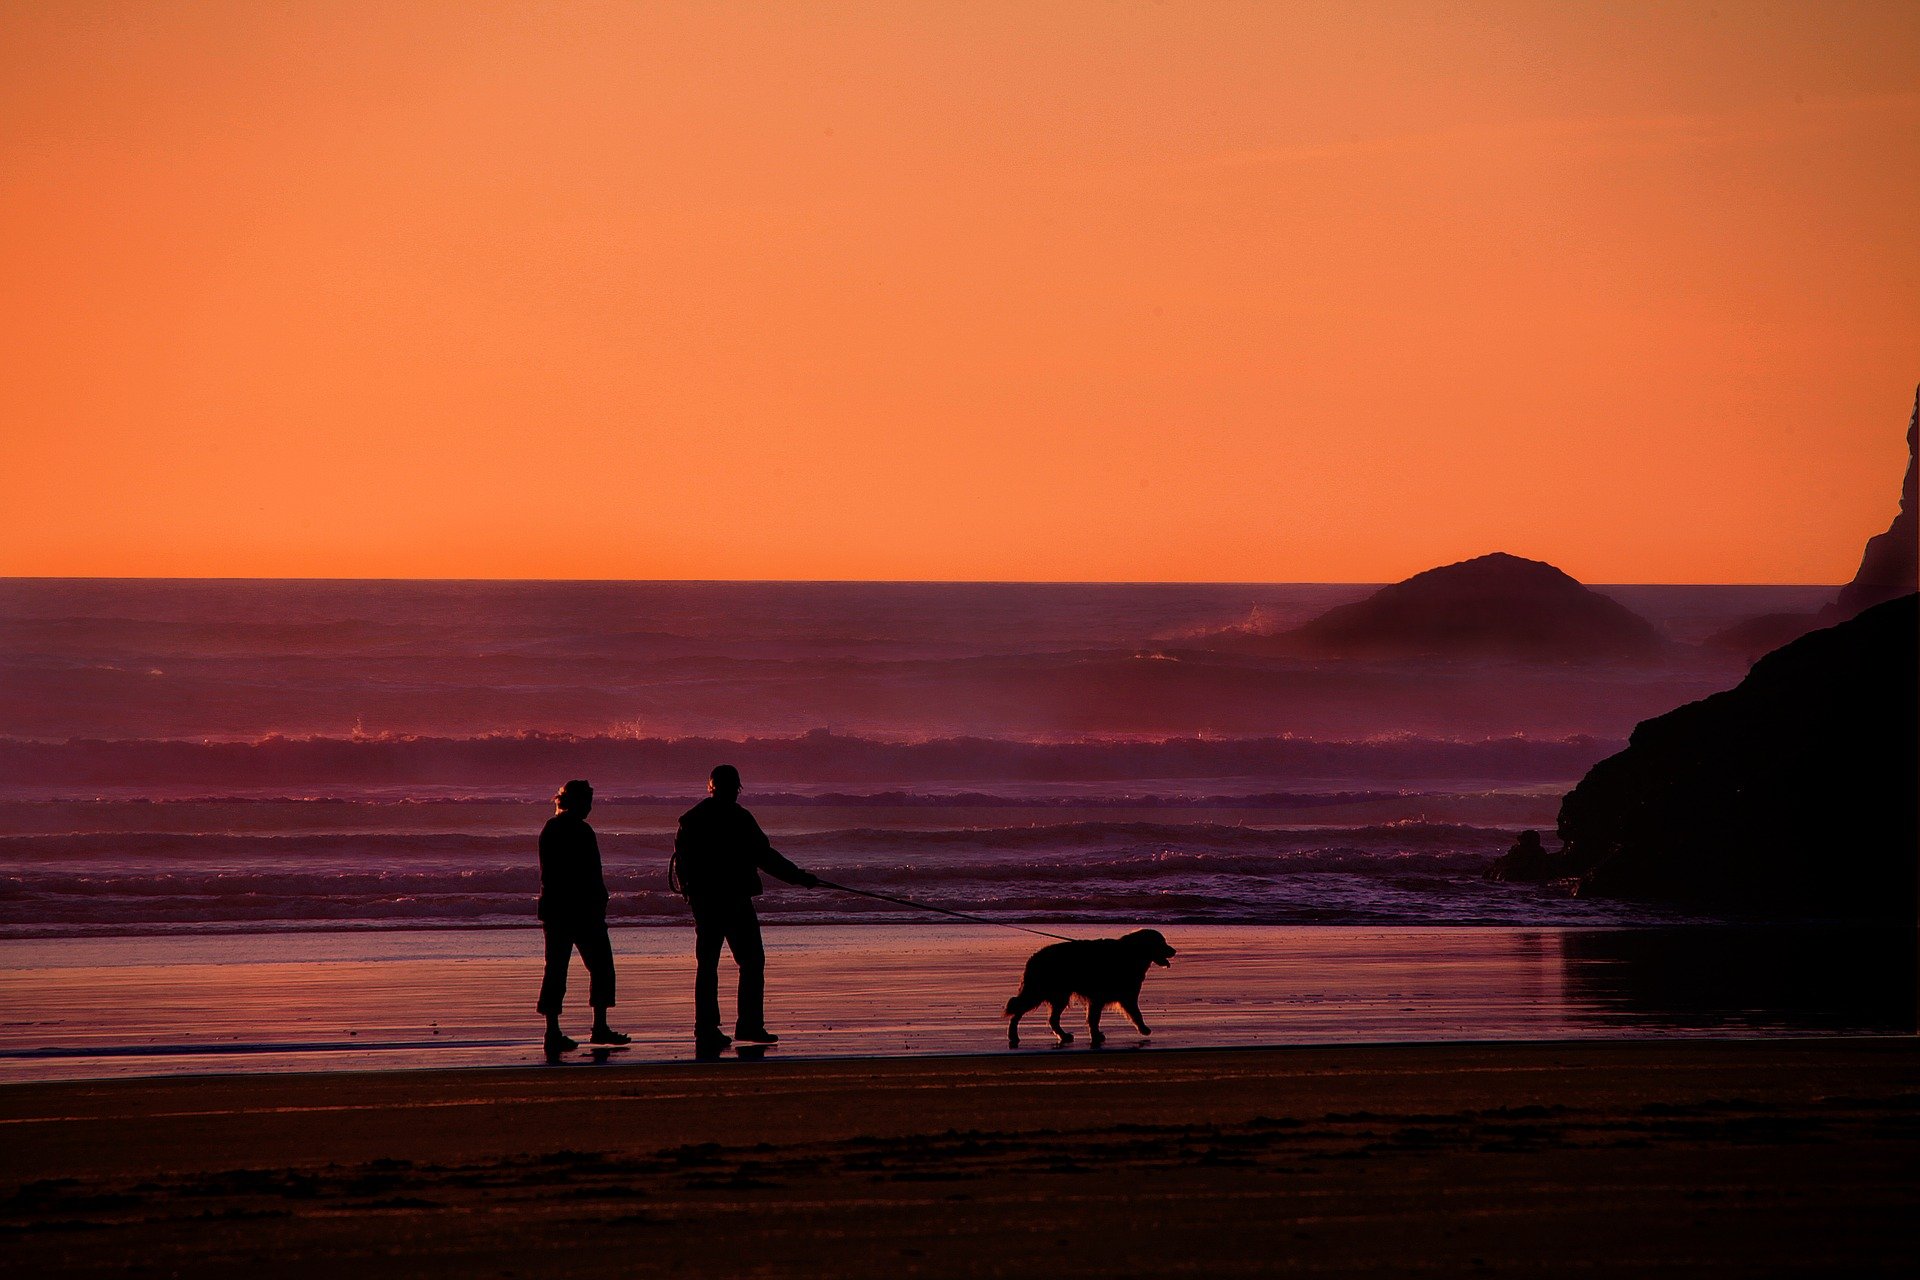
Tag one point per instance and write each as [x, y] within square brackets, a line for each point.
[1889, 568]
[1891, 565]
[1493, 606]
[1793, 794]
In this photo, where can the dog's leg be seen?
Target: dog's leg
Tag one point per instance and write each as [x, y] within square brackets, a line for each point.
[1053, 1020]
[1132, 1009]
[1017, 1008]
[1094, 1009]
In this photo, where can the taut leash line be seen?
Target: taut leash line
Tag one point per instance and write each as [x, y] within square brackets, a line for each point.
[961, 915]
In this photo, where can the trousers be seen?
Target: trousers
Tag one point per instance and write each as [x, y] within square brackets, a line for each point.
[734, 922]
[590, 936]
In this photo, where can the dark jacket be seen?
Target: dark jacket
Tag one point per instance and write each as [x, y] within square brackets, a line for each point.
[719, 852]
[571, 887]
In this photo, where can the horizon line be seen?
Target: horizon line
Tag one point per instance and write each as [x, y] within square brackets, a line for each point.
[954, 582]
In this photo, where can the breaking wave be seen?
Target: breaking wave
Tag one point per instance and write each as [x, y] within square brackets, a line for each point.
[144, 882]
[819, 759]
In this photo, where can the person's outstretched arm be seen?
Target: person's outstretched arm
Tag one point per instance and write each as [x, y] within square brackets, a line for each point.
[771, 861]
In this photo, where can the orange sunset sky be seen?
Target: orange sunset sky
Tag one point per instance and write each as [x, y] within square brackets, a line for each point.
[1118, 291]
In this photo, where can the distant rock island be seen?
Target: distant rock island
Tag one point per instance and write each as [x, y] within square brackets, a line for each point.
[1890, 567]
[1493, 606]
[1792, 794]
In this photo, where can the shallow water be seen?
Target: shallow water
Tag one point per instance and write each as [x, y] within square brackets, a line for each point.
[109, 1007]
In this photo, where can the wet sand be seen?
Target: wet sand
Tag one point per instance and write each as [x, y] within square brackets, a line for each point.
[96, 1008]
[1610, 1157]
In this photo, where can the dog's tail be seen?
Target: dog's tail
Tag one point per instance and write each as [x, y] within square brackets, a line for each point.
[1013, 1006]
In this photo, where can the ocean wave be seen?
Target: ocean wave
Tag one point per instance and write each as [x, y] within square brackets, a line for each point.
[1141, 865]
[1330, 896]
[1084, 835]
[1245, 883]
[815, 759]
[397, 848]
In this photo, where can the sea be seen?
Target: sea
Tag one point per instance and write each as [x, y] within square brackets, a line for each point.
[247, 770]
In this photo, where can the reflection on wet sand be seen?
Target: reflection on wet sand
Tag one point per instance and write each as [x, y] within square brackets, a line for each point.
[91, 1008]
[1744, 979]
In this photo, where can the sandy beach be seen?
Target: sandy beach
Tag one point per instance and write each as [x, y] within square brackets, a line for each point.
[1619, 1158]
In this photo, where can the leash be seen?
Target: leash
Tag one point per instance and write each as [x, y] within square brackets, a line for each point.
[922, 906]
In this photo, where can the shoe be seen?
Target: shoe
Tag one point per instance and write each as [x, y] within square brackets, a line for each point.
[607, 1035]
[758, 1035]
[708, 1044]
[559, 1043]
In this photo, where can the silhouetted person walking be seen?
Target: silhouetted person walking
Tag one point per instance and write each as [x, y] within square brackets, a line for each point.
[573, 913]
[718, 855]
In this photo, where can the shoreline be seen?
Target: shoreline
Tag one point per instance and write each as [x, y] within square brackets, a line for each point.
[1785, 1156]
[782, 920]
[340, 1002]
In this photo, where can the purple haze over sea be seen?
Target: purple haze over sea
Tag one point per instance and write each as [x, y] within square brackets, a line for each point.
[181, 757]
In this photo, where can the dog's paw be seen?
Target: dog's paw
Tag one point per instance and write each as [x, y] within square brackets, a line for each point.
[1146, 1031]
[1096, 1038]
[1064, 1037]
[1013, 1042]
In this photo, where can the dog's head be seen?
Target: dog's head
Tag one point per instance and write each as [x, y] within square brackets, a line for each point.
[1152, 945]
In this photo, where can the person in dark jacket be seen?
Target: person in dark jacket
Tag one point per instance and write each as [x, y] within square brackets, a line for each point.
[718, 855]
[573, 913]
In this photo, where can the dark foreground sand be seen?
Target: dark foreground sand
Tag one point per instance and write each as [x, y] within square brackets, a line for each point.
[1775, 1157]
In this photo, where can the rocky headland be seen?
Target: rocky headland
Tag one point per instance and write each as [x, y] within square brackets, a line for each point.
[1890, 567]
[1790, 795]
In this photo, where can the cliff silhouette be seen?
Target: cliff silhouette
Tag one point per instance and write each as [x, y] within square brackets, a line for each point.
[1493, 606]
[1890, 567]
[1792, 794]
